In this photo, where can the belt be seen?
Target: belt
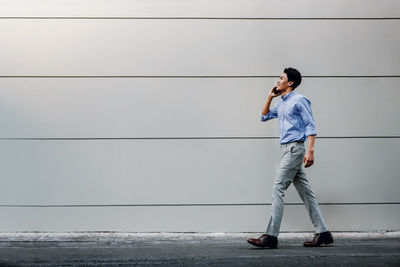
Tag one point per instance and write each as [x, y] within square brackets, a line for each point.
[298, 141]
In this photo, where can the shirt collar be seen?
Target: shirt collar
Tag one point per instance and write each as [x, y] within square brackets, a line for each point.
[286, 97]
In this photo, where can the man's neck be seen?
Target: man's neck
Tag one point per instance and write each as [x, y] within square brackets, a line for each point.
[287, 91]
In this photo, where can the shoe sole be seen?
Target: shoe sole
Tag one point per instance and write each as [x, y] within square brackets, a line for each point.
[326, 244]
[261, 246]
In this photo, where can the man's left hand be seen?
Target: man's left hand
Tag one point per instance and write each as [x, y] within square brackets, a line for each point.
[308, 159]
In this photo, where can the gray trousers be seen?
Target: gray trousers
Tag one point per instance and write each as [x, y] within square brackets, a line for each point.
[291, 170]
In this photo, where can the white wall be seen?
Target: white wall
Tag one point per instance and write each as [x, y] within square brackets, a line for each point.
[143, 115]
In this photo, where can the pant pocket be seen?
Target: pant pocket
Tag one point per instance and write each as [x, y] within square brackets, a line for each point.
[293, 148]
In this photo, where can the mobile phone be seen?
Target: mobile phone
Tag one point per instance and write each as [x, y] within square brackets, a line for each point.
[276, 91]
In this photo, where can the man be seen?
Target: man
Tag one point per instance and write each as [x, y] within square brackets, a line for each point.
[296, 123]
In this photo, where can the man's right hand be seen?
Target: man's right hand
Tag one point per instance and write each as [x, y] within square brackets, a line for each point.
[272, 94]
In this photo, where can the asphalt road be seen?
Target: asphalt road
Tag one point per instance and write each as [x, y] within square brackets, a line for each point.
[124, 249]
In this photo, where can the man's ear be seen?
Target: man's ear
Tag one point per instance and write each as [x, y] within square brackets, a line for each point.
[290, 84]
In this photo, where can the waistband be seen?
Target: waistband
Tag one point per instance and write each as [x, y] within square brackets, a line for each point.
[286, 144]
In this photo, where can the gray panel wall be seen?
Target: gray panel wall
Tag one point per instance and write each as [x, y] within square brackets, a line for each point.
[143, 115]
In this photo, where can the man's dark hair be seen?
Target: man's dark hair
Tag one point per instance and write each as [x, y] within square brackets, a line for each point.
[294, 76]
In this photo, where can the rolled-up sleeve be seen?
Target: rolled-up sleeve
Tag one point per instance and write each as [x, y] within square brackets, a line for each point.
[304, 108]
[272, 113]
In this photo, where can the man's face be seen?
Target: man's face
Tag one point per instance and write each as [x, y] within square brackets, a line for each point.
[283, 83]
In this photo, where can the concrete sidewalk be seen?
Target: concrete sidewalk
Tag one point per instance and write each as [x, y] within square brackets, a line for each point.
[194, 249]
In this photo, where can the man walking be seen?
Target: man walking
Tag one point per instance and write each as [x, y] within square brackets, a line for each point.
[296, 123]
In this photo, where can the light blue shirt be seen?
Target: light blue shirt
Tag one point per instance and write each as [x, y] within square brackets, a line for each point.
[295, 118]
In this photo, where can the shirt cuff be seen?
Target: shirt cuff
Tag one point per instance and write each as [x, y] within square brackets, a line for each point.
[264, 117]
[310, 132]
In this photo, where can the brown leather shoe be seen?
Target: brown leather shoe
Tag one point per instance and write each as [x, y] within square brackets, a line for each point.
[264, 241]
[319, 239]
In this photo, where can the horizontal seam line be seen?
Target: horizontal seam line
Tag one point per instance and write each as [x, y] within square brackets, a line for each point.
[199, 18]
[178, 138]
[193, 76]
[203, 204]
